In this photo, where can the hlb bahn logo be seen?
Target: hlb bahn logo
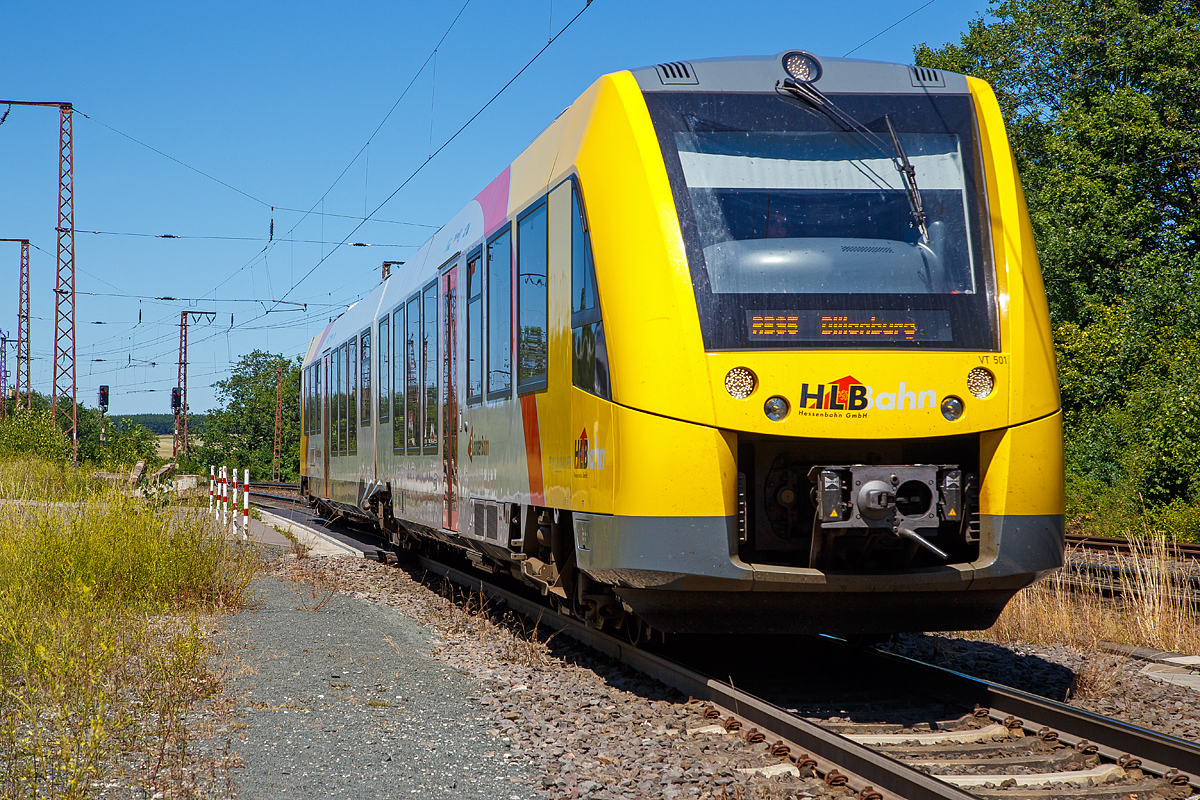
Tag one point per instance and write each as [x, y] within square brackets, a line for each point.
[851, 394]
[586, 456]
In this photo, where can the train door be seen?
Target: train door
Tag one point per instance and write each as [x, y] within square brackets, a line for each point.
[326, 426]
[450, 412]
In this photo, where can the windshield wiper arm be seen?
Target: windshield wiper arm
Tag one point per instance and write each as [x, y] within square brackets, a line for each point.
[908, 173]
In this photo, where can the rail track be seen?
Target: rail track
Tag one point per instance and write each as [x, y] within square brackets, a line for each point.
[1115, 544]
[890, 727]
[882, 725]
[273, 491]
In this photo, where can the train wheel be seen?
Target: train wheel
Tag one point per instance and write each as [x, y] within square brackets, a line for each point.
[635, 630]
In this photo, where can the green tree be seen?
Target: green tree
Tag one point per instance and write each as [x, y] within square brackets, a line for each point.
[1102, 103]
[34, 432]
[241, 433]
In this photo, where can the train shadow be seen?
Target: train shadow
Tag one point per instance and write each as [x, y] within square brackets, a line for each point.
[987, 660]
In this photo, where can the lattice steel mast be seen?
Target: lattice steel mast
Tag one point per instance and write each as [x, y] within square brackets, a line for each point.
[23, 326]
[64, 286]
[181, 429]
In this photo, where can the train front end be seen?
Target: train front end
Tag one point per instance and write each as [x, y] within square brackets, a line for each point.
[835, 398]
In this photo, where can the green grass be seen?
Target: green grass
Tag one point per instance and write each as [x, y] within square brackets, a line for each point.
[101, 655]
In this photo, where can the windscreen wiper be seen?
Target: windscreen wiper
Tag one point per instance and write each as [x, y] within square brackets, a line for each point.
[814, 98]
[909, 173]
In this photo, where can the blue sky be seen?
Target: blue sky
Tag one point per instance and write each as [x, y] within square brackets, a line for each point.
[276, 100]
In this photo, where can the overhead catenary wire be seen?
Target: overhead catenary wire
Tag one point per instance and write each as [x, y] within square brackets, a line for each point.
[274, 303]
[453, 136]
[230, 186]
[888, 28]
[237, 238]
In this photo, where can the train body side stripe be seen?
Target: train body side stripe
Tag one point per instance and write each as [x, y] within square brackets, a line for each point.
[533, 449]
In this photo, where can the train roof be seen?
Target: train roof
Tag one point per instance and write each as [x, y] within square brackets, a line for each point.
[760, 74]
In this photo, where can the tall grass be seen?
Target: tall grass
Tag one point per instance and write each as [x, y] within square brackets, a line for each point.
[100, 651]
[1152, 605]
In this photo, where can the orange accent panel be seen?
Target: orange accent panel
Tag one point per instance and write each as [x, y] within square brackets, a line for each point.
[533, 449]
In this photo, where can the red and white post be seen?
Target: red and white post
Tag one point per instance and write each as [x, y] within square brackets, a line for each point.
[211, 474]
[224, 500]
[234, 504]
[246, 505]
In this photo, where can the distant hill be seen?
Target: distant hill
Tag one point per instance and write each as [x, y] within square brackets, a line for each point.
[161, 424]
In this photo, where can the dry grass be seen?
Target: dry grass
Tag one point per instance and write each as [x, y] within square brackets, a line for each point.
[1152, 606]
[102, 655]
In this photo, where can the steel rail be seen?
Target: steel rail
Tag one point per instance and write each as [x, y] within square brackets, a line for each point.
[285, 498]
[863, 766]
[1119, 545]
[1159, 753]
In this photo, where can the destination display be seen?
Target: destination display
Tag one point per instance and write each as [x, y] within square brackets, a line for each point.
[850, 326]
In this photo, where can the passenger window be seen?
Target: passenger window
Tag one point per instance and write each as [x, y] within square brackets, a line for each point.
[385, 372]
[589, 353]
[339, 356]
[499, 285]
[398, 380]
[317, 420]
[475, 327]
[532, 273]
[364, 364]
[352, 398]
[583, 273]
[412, 378]
[429, 368]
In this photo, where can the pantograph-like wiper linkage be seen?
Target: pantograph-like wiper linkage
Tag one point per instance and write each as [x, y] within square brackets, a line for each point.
[813, 97]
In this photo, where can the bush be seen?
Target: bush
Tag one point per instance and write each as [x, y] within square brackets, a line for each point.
[32, 433]
[100, 654]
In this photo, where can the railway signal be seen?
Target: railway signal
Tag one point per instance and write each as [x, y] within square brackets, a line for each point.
[103, 403]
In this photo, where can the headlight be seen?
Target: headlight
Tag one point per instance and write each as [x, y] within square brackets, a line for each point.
[776, 408]
[952, 408]
[740, 383]
[802, 67]
[980, 382]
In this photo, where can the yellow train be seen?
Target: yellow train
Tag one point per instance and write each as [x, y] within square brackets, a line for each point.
[751, 344]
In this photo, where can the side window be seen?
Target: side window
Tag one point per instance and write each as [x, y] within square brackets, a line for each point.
[533, 335]
[308, 398]
[429, 367]
[305, 399]
[364, 365]
[412, 378]
[317, 419]
[352, 396]
[398, 380]
[385, 372]
[499, 313]
[475, 327]
[589, 356]
[339, 359]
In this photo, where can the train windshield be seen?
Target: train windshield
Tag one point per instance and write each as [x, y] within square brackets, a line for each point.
[801, 233]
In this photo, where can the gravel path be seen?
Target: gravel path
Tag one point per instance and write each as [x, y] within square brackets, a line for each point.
[342, 698]
[358, 679]
[582, 725]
